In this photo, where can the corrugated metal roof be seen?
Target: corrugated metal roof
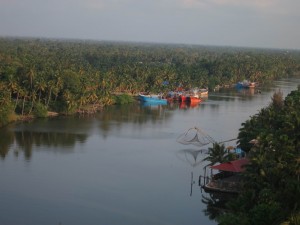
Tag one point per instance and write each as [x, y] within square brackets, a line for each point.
[233, 166]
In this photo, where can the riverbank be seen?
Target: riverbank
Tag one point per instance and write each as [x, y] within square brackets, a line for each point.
[31, 116]
[126, 146]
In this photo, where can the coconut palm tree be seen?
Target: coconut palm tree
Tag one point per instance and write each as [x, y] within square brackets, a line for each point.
[41, 87]
[218, 154]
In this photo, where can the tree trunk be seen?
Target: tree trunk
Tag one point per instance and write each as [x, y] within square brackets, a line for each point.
[49, 97]
[17, 100]
[23, 106]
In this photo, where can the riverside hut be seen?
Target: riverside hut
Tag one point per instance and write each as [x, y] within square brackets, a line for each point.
[227, 179]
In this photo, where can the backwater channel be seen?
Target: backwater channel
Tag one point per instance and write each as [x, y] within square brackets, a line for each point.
[120, 166]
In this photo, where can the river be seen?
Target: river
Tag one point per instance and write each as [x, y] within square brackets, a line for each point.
[120, 166]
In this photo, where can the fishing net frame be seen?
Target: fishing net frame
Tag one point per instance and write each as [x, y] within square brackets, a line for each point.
[199, 139]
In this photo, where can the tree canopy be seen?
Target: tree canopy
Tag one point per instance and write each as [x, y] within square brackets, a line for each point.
[272, 179]
[66, 75]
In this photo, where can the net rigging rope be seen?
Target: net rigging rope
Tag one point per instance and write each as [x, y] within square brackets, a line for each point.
[196, 137]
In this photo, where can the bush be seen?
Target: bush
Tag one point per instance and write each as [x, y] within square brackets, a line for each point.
[263, 214]
[123, 99]
[7, 114]
[229, 219]
[62, 108]
[40, 110]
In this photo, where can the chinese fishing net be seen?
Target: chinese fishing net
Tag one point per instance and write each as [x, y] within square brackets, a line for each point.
[195, 136]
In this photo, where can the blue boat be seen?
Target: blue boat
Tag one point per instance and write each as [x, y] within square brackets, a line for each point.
[245, 84]
[153, 104]
[152, 99]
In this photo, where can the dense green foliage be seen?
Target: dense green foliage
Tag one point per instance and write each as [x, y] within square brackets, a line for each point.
[40, 110]
[272, 180]
[6, 114]
[219, 154]
[123, 99]
[6, 108]
[66, 76]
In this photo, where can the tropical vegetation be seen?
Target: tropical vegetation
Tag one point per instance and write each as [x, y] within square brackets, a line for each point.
[271, 187]
[219, 154]
[68, 76]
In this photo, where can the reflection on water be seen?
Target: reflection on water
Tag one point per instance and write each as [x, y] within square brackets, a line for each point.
[124, 164]
[6, 140]
[62, 134]
[153, 104]
[25, 136]
[193, 157]
[187, 105]
[25, 141]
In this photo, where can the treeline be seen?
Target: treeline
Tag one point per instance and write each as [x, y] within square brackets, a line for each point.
[40, 75]
[271, 190]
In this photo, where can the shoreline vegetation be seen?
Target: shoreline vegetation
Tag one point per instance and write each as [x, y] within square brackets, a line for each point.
[45, 77]
[39, 76]
[270, 192]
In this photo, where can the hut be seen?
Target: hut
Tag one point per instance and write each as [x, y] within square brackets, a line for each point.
[227, 179]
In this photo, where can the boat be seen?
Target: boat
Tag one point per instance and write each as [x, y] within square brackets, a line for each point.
[182, 98]
[251, 85]
[194, 99]
[193, 95]
[203, 92]
[152, 98]
[153, 103]
[173, 96]
[245, 84]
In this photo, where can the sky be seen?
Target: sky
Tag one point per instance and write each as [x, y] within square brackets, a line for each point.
[242, 23]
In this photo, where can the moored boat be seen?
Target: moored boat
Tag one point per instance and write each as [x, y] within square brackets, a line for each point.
[251, 84]
[153, 103]
[152, 98]
[203, 92]
[194, 99]
[182, 98]
[245, 84]
[173, 96]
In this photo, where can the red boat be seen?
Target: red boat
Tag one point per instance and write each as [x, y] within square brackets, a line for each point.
[182, 98]
[194, 99]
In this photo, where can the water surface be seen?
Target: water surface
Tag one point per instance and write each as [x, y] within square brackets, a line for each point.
[121, 166]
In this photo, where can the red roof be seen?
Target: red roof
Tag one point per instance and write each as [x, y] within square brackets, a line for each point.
[233, 166]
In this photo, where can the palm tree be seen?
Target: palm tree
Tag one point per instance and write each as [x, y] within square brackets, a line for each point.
[218, 154]
[31, 75]
[41, 86]
[32, 96]
[50, 87]
[69, 100]
[24, 94]
[18, 91]
[58, 88]
[12, 84]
